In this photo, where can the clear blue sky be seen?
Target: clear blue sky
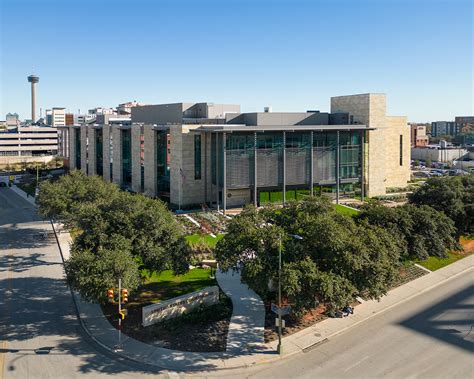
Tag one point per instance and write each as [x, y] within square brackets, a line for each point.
[292, 55]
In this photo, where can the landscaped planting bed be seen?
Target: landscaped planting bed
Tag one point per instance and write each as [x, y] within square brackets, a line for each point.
[204, 329]
[292, 325]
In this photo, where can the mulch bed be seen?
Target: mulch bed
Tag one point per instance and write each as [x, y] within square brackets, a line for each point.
[407, 274]
[200, 331]
[292, 325]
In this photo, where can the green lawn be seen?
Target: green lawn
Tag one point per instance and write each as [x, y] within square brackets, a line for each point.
[346, 210]
[162, 286]
[204, 238]
[435, 263]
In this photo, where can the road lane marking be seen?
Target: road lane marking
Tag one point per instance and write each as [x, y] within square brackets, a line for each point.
[357, 363]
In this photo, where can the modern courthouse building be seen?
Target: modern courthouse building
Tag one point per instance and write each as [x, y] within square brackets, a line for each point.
[191, 154]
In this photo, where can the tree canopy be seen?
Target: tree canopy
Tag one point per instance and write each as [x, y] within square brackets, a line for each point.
[118, 233]
[452, 195]
[421, 231]
[61, 199]
[336, 258]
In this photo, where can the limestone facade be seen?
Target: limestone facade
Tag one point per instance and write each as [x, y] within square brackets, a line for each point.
[185, 187]
[149, 160]
[91, 151]
[106, 152]
[136, 158]
[72, 148]
[383, 169]
[117, 156]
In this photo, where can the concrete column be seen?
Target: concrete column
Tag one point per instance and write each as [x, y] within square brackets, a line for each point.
[91, 151]
[338, 167]
[284, 167]
[255, 165]
[224, 168]
[72, 148]
[150, 160]
[117, 167]
[311, 166]
[106, 152]
[136, 161]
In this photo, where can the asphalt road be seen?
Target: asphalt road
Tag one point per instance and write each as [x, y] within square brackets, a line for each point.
[40, 336]
[430, 336]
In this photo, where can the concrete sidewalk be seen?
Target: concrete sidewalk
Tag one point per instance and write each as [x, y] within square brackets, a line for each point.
[23, 194]
[247, 324]
[248, 350]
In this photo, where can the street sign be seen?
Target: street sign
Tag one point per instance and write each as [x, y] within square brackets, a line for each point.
[284, 310]
[283, 324]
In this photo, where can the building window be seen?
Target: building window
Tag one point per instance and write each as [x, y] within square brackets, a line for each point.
[401, 150]
[197, 156]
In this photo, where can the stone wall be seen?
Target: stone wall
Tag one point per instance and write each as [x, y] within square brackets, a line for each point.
[182, 157]
[91, 151]
[72, 148]
[383, 144]
[149, 160]
[117, 155]
[136, 160]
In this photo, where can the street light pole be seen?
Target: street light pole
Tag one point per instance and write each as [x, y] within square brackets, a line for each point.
[279, 347]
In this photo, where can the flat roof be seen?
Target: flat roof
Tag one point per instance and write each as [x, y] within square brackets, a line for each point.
[277, 128]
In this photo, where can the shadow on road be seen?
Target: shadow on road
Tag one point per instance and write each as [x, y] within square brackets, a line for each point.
[449, 321]
[33, 307]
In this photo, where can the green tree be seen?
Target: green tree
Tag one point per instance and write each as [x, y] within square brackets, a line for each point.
[451, 195]
[92, 273]
[154, 234]
[420, 231]
[62, 198]
[336, 258]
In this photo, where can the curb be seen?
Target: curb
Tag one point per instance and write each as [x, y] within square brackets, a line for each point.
[247, 365]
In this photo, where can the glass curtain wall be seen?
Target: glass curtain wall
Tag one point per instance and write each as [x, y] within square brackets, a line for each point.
[78, 148]
[99, 152]
[126, 157]
[162, 167]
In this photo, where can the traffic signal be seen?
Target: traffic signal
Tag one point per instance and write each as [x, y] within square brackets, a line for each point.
[110, 294]
[124, 295]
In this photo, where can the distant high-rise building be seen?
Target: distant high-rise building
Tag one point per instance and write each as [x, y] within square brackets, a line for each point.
[58, 116]
[12, 120]
[418, 135]
[69, 118]
[444, 128]
[465, 123]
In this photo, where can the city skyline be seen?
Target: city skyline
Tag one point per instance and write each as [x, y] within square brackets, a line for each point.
[251, 53]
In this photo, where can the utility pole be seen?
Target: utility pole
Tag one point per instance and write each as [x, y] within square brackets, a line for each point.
[279, 347]
[119, 346]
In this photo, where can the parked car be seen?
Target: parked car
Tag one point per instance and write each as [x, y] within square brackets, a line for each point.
[422, 174]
